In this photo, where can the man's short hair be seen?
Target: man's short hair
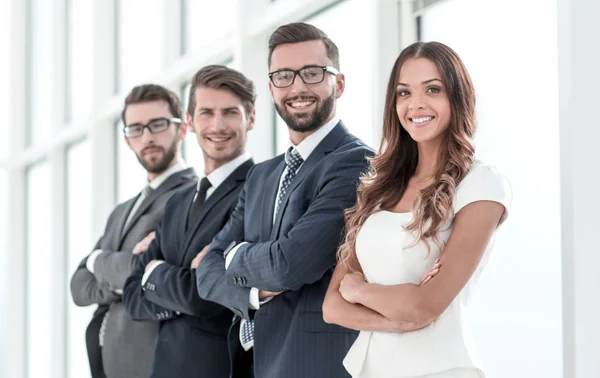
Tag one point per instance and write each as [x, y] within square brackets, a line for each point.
[301, 32]
[150, 93]
[222, 77]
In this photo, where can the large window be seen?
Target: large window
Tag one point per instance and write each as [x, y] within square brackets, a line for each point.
[141, 41]
[40, 260]
[131, 176]
[79, 244]
[40, 77]
[517, 312]
[356, 64]
[206, 21]
[80, 59]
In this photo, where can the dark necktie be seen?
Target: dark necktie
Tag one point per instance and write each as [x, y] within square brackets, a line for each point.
[293, 160]
[199, 199]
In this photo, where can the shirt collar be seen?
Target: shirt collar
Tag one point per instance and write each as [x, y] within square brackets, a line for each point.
[220, 174]
[177, 167]
[308, 145]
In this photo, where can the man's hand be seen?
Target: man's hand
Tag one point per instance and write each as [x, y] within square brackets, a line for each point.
[263, 294]
[435, 269]
[152, 262]
[350, 284]
[142, 246]
[199, 257]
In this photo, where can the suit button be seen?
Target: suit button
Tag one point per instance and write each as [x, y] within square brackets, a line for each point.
[243, 279]
[235, 280]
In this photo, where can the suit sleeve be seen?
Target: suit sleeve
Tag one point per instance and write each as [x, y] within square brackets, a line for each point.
[309, 249]
[212, 284]
[174, 287]
[87, 290]
[134, 296]
[112, 268]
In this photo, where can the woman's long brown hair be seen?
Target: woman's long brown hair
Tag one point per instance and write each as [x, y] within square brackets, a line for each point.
[385, 183]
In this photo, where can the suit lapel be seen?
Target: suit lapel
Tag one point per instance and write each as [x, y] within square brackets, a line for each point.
[326, 146]
[175, 180]
[127, 207]
[268, 201]
[239, 175]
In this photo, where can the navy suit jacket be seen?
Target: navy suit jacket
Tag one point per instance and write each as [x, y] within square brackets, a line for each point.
[192, 338]
[296, 254]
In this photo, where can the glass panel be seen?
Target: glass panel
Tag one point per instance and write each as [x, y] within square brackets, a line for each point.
[354, 63]
[40, 297]
[503, 311]
[141, 41]
[131, 176]
[207, 21]
[40, 85]
[79, 244]
[80, 59]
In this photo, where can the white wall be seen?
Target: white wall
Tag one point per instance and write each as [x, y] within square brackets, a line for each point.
[510, 51]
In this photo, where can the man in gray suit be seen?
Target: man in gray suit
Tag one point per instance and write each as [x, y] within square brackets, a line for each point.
[119, 347]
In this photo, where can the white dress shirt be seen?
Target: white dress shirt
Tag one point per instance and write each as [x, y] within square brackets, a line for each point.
[216, 178]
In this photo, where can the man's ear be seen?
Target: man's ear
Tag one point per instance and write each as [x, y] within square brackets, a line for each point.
[340, 85]
[189, 123]
[251, 119]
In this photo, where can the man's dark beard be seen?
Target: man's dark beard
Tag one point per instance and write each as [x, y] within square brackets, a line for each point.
[163, 164]
[308, 121]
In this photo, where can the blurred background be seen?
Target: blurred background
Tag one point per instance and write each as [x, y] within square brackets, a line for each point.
[66, 66]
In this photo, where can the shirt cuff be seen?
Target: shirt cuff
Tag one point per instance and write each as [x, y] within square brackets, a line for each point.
[89, 264]
[149, 272]
[254, 300]
[231, 254]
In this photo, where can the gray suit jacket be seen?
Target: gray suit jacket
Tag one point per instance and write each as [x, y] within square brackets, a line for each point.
[128, 344]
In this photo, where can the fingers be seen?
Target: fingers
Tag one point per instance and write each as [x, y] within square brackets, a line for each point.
[435, 269]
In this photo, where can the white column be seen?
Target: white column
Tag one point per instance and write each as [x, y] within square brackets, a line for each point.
[579, 59]
[394, 28]
[57, 160]
[251, 58]
[102, 132]
[14, 316]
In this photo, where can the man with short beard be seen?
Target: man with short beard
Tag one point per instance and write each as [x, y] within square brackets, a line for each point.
[272, 263]
[119, 347]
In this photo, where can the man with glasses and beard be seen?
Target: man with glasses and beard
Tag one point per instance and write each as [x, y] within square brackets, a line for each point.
[119, 347]
[272, 263]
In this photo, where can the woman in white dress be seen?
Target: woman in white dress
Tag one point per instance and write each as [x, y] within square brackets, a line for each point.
[421, 230]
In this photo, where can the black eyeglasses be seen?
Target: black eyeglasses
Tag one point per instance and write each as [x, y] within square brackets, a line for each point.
[156, 125]
[308, 74]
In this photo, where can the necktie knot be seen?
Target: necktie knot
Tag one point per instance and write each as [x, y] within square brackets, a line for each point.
[203, 185]
[147, 191]
[293, 159]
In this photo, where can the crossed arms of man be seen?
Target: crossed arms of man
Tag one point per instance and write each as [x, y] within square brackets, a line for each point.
[300, 257]
[159, 290]
[100, 276]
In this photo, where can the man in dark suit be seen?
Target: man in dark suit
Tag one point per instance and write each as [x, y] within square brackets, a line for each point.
[192, 340]
[117, 346]
[273, 261]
